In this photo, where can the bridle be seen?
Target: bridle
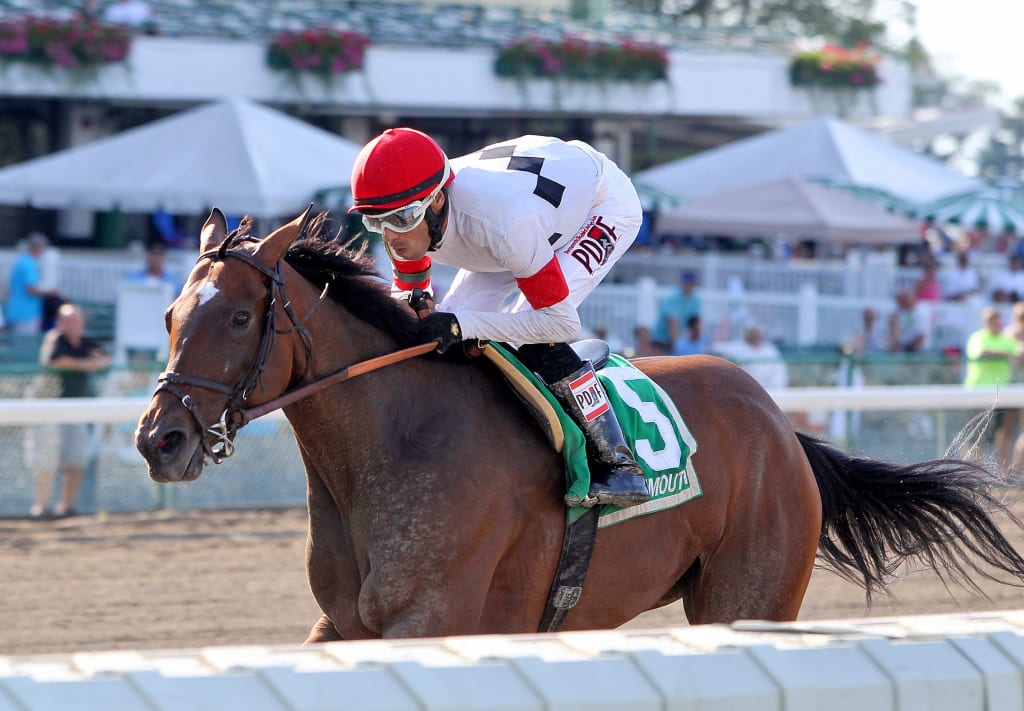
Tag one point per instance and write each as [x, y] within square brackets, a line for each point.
[221, 444]
[217, 440]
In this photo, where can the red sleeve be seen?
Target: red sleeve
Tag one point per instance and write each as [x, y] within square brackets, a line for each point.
[412, 275]
[546, 287]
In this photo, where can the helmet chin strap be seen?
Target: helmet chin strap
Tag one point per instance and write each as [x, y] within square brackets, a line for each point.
[435, 223]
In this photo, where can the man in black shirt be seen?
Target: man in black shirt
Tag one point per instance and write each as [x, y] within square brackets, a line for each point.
[72, 357]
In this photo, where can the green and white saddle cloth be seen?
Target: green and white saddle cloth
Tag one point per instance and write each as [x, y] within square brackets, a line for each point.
[654, 430]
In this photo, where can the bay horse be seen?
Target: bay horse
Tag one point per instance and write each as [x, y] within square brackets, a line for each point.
[436, 503]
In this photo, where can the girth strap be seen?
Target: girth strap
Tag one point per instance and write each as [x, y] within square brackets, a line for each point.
[577, 547]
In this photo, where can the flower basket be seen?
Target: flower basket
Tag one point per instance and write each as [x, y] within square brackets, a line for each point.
[835, 67]
[321, 51]
[575, 58]
[76, 43]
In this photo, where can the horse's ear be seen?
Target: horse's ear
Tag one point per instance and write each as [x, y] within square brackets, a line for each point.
[271, 250]
[215, 229]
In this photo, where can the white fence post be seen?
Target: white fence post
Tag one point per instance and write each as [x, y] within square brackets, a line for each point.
[646, 301]
[807, 318]
[852, 284]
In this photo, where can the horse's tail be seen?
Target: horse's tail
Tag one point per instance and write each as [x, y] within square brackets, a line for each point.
[876, 515]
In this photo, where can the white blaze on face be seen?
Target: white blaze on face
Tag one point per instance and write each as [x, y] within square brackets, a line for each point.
[207, 292]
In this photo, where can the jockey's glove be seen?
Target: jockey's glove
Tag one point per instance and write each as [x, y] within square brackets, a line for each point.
[441, 327]
[422, 302]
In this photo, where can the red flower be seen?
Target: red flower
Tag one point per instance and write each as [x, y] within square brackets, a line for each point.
[321, 50]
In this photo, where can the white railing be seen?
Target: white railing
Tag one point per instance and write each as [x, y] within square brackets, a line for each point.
[804, 317]
[859, 274]
[966, 662]
[888, 398]
[267, 470]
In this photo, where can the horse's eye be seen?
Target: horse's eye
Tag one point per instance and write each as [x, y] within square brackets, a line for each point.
[241, 318]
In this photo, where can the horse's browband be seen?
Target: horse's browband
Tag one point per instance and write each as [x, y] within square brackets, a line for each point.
[217, 254]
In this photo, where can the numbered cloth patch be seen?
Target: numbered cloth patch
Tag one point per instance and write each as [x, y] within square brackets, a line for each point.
[660, 440]
[654, 429]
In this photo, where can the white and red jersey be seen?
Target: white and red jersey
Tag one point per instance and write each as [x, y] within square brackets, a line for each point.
[540, 216]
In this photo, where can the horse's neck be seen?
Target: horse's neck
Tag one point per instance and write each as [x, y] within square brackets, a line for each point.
[341, 427]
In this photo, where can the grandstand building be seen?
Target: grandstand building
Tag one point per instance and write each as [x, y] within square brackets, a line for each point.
[428, 65]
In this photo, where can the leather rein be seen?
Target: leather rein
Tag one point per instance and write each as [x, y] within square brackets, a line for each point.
[220, 444]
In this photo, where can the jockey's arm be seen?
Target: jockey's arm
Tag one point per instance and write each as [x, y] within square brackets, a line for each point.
[557, 323]
[409, 275]
[552, 317]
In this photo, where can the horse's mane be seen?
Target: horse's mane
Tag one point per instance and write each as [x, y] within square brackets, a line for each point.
[352, 278]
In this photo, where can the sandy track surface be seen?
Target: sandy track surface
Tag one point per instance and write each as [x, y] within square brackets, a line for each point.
[190, 579]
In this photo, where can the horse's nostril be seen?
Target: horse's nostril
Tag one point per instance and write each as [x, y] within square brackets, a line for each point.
[170, 442]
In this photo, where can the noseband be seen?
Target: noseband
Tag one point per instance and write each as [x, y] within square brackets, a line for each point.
[221, 443]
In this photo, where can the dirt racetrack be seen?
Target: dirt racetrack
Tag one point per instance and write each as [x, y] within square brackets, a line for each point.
[210, 578]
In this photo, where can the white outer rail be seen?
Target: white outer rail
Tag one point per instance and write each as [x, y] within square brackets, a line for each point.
[905, 397]
[941, 663]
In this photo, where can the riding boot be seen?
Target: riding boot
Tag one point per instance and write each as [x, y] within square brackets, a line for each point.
[615, 477]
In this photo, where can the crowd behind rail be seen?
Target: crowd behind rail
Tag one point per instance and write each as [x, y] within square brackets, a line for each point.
[790, 322]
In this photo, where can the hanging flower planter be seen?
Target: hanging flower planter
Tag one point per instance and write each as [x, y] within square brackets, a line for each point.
[75, 44]
[322, 51]
[833, 66]
[575, 58]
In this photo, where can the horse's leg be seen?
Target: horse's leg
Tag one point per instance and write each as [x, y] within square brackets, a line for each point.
[323, 631]
[490, 576]
[429, 593]
[331, 566]
[762, 566]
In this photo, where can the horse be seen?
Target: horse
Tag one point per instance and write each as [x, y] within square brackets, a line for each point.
[435, 502]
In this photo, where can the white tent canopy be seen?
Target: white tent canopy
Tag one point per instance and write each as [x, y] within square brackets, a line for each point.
[790, 206]
[823, 149]
[236, 155]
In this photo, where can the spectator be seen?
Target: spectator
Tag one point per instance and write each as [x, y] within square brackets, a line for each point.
[642, 345]
[1008, 286]
[991, 358]
[908, 325]
[758, 356]
[675, 309]
[73, 357]
[928, 287]
[155, 270]
[49, 284]
[868, 338]
[962, 280]
[763, 359]
[1015, 330]
[25, 295]
[691, 341]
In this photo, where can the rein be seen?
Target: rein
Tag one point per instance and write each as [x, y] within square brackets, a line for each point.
[249, 414]
[234, 416]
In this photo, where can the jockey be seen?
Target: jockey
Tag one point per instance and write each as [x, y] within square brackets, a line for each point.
[533, 216]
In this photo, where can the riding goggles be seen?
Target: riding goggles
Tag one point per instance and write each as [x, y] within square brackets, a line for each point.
[403, 219]
[407, 217]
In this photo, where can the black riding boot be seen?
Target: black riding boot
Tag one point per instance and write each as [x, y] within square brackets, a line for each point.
[615, 477]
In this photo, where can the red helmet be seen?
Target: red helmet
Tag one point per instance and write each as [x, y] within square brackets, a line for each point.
[397, 167]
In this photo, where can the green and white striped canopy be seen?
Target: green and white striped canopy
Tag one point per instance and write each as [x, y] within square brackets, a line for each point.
[990, 208]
